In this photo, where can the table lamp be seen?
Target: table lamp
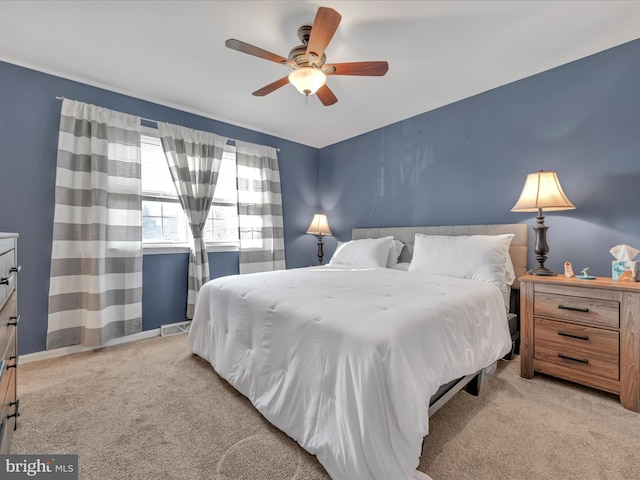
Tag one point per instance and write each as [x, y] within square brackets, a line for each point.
[542, 193]
[319, 226]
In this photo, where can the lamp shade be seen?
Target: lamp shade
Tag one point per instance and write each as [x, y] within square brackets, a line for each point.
[542, 191]
[319, 225]
[307, 80]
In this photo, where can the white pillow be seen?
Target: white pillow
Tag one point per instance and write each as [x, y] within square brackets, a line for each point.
[476, 257]
[368, 252]
[509, 278]
[394, 252]
[509, 273]
[401, 266]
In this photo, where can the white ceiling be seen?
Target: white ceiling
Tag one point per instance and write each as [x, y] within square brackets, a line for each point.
[173, 53]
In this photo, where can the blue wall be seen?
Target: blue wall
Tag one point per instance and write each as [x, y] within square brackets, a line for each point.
[29, 118]
[164, 292]
[466, 163]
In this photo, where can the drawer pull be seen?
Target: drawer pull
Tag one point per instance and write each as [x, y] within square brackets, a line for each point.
[15, 269]
[6, 280]
[16, 413]
[15, 363]
[573, 309]
[571, 335]
[13, 321]
[579, 360]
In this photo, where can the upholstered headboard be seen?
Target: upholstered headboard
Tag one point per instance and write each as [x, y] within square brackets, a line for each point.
[518, 250]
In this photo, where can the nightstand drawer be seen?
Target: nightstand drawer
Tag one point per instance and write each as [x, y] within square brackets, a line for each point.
[589, 311]
[578, 337]
[586, 349]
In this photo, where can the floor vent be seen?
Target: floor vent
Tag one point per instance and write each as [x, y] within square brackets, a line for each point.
[174, 328]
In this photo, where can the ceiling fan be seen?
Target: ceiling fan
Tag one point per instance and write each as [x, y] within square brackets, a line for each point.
[309, 74]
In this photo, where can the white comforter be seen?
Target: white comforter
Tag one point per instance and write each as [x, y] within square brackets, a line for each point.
[345, 360]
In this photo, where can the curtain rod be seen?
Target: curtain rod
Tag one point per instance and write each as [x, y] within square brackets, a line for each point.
[154, 121]
[141, 118]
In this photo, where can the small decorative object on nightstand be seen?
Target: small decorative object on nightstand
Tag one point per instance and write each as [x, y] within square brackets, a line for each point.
[585, 332]
[585, 275]
[568, 270]
[319, 226]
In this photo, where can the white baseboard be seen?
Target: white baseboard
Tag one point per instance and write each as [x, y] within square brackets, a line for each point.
[62, 351]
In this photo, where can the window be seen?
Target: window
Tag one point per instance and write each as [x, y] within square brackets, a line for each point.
[222, 223]
[162, 217]
[163, 221]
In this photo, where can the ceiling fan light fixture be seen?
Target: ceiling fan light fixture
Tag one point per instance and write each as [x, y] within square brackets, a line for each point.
[307, 80]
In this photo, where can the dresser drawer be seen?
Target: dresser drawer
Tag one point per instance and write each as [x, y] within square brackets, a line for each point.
[7, 427]
[587, 349]
[6, 244]
[7, 365]
[6, 313]
[588, 311]
[8, 408]
[6, 259]
[7, 269]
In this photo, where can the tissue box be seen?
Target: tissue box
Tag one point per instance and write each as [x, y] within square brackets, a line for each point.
[624, 271]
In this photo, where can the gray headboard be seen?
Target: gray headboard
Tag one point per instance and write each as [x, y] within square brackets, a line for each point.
[518, 250]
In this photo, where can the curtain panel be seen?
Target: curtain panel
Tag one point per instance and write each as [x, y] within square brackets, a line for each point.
[95, 291]
[259, 208]
[194, 159]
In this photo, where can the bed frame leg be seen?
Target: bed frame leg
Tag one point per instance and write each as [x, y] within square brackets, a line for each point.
[473, 387]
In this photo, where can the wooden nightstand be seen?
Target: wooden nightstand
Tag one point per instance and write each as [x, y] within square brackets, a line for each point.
[585, 331]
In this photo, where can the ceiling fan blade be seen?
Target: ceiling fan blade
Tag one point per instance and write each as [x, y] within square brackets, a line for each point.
[326, 96]
[324, 26]
[255, 51]
[272, 87]
[366, 69]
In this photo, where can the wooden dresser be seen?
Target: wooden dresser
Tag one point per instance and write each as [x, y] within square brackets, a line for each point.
[9, 403]
[585, 331]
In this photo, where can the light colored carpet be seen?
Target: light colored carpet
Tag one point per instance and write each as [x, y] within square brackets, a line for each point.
[151, 409]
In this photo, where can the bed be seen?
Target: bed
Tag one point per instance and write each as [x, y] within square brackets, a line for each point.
[346, 359]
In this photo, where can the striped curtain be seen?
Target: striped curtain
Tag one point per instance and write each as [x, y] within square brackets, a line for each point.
[259, 209]
[194, 159]
[95, 291]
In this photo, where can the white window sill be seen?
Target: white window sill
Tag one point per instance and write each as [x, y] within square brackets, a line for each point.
[172, 248]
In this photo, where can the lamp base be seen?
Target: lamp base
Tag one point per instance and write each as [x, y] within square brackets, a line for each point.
[541, 248]
[542, 271]
[320, 250]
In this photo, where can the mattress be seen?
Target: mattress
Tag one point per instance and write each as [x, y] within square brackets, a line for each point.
[345, 360]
